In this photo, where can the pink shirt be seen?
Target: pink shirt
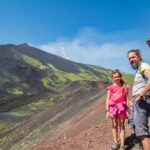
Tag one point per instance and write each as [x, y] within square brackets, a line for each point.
[117, 101]
[117, 93]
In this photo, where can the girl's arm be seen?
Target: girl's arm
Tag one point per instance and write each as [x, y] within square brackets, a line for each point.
[107, 100]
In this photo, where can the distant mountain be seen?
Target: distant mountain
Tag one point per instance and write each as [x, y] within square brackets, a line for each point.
[27, 72]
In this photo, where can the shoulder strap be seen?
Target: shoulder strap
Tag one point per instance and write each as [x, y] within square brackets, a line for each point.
[144, 77]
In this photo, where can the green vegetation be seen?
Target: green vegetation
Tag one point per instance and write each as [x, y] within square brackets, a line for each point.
[106, 74]
[64, 76]
[5, 125]
[18, 90]
[102, 73]
[32, 108]
[87, 75]
[15, 78]
[61, 78]
[15, 91]
[80, 69]
[34, 62]
[46, 81]
[52, 67]
[128, 78]
[40, 105]
[24, 86]
[99, 69]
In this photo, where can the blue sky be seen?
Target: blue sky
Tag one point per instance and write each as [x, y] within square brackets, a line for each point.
[96, 32]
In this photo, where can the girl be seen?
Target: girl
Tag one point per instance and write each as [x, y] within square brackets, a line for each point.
[116, 108]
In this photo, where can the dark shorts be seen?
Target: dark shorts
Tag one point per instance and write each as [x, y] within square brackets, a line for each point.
[139, 117]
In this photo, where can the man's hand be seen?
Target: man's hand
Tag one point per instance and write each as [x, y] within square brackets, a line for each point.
[138, 98]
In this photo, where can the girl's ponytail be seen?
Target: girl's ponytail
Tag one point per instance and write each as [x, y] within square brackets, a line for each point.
[122, 81]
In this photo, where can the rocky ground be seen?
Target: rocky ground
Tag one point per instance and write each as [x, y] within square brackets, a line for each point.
[88, 131]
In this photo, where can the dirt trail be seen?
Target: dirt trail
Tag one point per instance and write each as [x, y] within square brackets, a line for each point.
[88, 131]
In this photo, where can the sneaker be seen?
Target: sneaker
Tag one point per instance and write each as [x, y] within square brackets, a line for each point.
[115, 146]
[122, 147]
[139, 145]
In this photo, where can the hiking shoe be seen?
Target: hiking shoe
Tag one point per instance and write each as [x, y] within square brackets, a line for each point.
[122, 147]
[115, 146]
[136, 141]
[139, 146]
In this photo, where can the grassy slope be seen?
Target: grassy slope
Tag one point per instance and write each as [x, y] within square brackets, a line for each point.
[58, 78]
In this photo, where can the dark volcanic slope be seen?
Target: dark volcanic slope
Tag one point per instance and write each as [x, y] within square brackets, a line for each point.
[28, 72]
[44, 57]
[11, 50]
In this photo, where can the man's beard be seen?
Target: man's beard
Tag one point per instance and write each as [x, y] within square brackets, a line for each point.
[134, 64]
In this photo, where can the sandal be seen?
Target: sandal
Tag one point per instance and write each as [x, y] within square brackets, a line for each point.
[115, 146]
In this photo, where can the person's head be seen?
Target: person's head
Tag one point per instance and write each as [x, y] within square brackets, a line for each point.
[117, 77]
[134, 57]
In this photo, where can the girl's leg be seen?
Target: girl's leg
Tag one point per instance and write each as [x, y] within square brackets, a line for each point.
[115, 129]
[122, 131]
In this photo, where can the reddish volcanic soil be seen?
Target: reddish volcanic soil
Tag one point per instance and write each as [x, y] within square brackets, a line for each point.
[88, 131]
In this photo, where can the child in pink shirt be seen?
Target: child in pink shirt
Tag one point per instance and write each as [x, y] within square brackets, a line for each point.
[116, 108]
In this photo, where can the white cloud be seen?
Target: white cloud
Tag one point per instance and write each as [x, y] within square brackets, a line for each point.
[92, 47]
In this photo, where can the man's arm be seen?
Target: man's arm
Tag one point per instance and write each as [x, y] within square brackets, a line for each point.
[147, 86]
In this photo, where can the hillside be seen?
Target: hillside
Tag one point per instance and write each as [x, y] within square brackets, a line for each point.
[39, 91]
[28, 70]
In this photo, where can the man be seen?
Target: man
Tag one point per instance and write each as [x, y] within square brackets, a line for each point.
[141, 96]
